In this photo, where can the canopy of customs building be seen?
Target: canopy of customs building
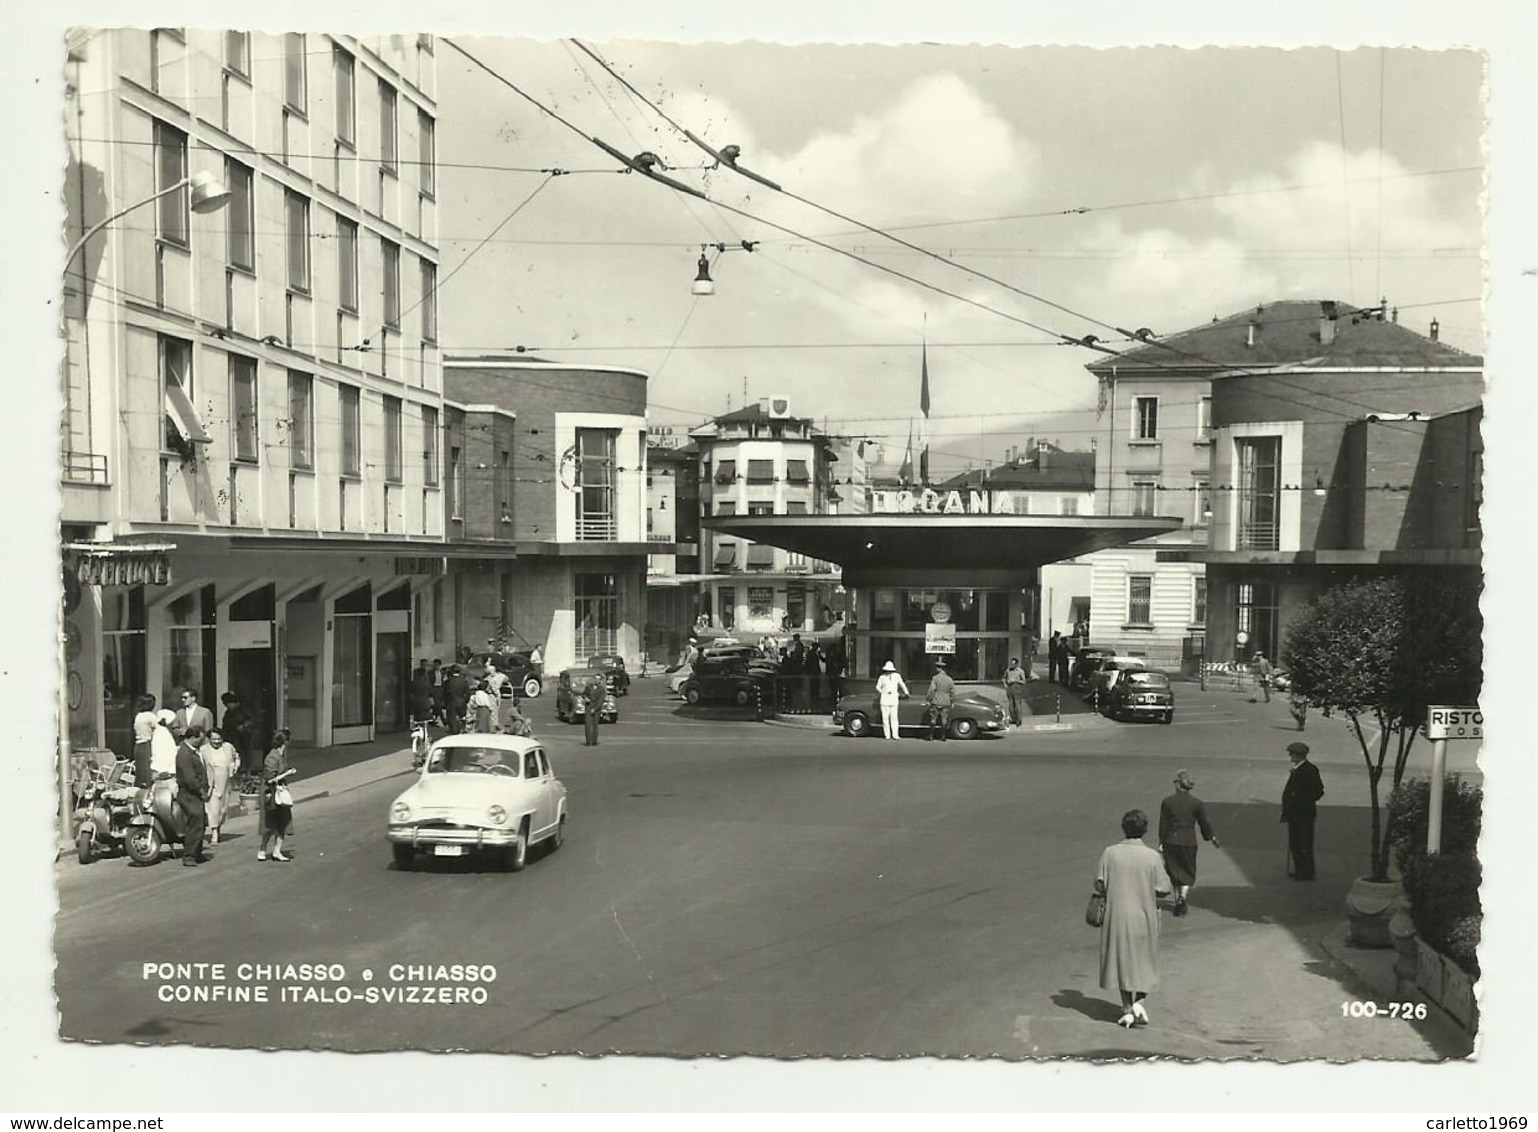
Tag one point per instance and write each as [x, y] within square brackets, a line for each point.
[888, 548]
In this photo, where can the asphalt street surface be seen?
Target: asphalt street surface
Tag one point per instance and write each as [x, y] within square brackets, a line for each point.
[732, 887]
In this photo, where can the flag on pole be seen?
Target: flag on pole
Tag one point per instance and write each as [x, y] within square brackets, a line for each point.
[905, 473]
[924, 408]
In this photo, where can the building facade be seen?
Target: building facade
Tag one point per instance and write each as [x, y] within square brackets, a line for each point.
[672, 524]
[252, 390]
[545, 490]
[763, 460]
[1330, 472]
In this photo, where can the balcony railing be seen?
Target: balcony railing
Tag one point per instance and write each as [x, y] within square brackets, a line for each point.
[596, 528]
[83, 467]
[1258, 536]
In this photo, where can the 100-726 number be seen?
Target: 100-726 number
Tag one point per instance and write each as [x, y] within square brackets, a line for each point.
[1357, 1008]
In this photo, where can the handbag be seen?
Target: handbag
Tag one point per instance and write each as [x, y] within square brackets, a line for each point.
[1094, 912]
[281, 796]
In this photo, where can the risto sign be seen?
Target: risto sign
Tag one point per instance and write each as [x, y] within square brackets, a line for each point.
[1454, 723]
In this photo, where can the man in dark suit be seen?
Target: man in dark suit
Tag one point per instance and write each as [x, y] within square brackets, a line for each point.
[1299, 799]
[191, 792]
[456, 698]
[191, 714]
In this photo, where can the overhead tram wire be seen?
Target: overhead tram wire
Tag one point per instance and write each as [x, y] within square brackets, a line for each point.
[842, 216]
[1089, 341]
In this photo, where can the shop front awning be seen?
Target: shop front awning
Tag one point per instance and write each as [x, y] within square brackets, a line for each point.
[917, 544]
[120, 564]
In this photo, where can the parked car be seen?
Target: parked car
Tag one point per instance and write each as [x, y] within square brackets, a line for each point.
[516, 666]
[613, 666]
[571, 701]
[1109, 672]
[972, 714]
[723, 679]
[1085, 663]
[1141, 694]
[479, 794]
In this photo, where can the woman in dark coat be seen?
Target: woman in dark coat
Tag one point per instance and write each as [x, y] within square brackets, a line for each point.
[1180, 816]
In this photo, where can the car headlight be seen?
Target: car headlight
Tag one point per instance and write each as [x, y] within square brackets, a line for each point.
[400, 812]
[497, 814]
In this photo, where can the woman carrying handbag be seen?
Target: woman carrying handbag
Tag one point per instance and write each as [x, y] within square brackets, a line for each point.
[277, 802]
[1131, 878]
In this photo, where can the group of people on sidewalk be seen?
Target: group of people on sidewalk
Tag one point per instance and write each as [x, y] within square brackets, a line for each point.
[447, 698]
[1132, 878]
[204, 760]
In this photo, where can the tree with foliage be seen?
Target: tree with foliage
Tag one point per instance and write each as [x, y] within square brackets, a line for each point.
[1382, 649]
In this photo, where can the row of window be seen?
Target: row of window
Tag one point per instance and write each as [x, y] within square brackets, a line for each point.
[762, 471]
[175, 228]
[183, 429]
[1145, 418]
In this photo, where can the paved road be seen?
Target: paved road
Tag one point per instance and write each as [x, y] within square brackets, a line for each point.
[732, 887]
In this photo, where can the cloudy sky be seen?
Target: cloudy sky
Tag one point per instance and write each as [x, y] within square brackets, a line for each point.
[1139, 187]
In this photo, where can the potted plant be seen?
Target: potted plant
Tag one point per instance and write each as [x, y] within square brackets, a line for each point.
[1380, 650]
[248, 787]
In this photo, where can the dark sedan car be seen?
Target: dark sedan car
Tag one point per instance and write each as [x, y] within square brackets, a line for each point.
[727, 679]
[571, 698]
[1141, 694]
[972, 714]
[613, 666]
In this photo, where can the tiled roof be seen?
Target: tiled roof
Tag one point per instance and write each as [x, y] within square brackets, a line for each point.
[749, 414]
[1287, 333]
[1065, 471]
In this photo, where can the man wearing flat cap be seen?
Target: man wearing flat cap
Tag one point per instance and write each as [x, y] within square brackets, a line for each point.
[1299, 799]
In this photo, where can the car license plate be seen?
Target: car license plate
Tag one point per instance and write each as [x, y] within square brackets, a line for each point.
[448, 850]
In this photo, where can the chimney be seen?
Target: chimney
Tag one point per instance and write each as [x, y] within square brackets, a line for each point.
[1436, 328]
[1249, 340]
[1326, 322]
[1043, 451]
[1396, 316]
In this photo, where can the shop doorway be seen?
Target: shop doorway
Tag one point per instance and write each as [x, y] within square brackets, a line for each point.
[392, 674]
[252, 679]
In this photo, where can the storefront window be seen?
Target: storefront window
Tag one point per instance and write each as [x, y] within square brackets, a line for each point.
[760, 601]
[597, 613]
[123, 665]
[352, 658]
[189, 657]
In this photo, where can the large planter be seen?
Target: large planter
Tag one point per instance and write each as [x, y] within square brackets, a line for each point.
[1428, 971]
[1446, 984]
[1401, 932]
[1370, 905]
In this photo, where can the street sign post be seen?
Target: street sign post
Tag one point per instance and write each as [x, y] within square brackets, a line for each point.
[1444, 723]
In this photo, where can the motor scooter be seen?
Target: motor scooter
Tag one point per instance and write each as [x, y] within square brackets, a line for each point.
[101, 820]
[158, 819]
[421, 743]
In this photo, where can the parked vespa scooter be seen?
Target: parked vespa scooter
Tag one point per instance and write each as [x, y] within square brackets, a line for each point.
[101, 820]
[157, 820]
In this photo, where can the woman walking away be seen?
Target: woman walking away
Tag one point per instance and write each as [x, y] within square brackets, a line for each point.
[1180, 816]
[277, 816]
[144, 735]
[1132, 878]
[220, 760]
[890, 689]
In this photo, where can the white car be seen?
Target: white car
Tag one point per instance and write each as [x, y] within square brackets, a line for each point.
[480, 794]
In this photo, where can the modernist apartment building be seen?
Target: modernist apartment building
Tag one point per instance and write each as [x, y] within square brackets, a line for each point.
[253, 393]
[1158, 455]
[762, 460]
[545, 497]
[1366, 462]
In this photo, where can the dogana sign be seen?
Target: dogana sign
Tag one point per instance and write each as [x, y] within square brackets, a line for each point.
[1454, 723]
